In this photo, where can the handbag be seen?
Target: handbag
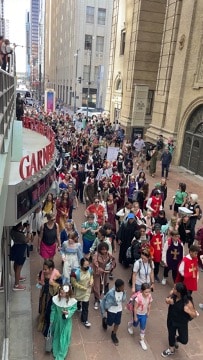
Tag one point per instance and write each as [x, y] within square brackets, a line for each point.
[49, 341]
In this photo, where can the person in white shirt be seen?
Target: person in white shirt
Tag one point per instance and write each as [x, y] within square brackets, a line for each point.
[139, 145]
[112, 304]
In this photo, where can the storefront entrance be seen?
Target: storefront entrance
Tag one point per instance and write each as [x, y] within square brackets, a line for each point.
[193, 143]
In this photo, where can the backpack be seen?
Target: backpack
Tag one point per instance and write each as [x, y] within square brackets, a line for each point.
[131, 302]
[200, 211]
[76, 273]
[135, 195]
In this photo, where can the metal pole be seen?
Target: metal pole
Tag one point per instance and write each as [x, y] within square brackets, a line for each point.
[40, 84]
[76, 79]
[89, 81]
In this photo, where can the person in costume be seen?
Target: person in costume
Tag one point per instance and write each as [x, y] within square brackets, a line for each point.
[154, 203]
[62, 310]
[71, 254]
[156, 243]
[188, 269]
[172, 255]
[49, 279]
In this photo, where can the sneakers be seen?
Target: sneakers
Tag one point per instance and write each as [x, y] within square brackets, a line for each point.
[163, 281]
[167, 352]
[19, 288]
[143, 345]
[130, 328]
[96, 305]
[87, 324]
[104, 323]
[22, 278]
[114, 338]
[201, 306]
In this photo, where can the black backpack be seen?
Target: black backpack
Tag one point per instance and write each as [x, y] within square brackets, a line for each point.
[135, 250]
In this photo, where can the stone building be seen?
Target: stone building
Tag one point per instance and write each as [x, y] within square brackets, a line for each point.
[178, 106]
[136, 36]
[163, 58]
[77, 39]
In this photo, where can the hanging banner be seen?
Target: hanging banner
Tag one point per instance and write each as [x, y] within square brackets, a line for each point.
[50, 100]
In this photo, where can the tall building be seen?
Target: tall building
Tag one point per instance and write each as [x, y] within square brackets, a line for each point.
[2, 19]
[34, 40]
[136, 37]
[41, 47]
[28, 45]
[155, 81]
[76, 50]
[178, 105]
[7, 29]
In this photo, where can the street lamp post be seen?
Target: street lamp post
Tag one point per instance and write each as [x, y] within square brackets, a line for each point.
[76, 78]
[89, 79]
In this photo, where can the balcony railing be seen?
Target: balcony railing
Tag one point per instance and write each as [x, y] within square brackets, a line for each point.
[7, 107]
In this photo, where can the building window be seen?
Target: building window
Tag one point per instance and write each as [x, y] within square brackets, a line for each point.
[90, 14]
[88, 42]
[122, 46]
[86, 71]
[150, 101]
[101, 16]
[100, 44]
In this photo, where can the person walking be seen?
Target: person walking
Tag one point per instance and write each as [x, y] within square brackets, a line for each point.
[48, 238]
[112, 304]
[62, 310]
[166, 158]
[141, 309]
[82, 281]
[143, 271]
[180, 311]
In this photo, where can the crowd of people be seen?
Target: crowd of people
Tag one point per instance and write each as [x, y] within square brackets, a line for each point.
[5, 53]
[122, 214]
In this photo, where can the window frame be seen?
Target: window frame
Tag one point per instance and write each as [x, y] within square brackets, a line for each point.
[101, 19]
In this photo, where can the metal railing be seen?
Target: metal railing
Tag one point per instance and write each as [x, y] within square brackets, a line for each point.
[7, 106]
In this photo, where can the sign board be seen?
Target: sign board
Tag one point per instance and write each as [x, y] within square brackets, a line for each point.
[29, 198]
[50, 100]
[112, 153]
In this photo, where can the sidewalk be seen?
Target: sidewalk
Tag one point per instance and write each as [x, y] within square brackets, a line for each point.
[94, 343]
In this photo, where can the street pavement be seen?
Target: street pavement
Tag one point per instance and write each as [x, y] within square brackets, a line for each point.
[95, 343]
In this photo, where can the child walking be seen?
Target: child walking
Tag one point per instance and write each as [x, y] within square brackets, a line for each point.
[82, 281]
[112, 304]
[71, 253]
[141, 310]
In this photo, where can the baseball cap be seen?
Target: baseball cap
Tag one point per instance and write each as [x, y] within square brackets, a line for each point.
[131, 216]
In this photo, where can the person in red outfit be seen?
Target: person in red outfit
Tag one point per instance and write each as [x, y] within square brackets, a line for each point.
[98, 210]
[154, 203]
[156, 243]
[116, 178]
[188, 269]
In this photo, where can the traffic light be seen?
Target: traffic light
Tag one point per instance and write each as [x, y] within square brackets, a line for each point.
[79, 79]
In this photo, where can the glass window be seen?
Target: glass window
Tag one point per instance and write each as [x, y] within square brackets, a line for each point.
[100, 44]
[88, 42]
[150, 101]
[90, 14]
[101, 16]
[86, 70]
[122, 45]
